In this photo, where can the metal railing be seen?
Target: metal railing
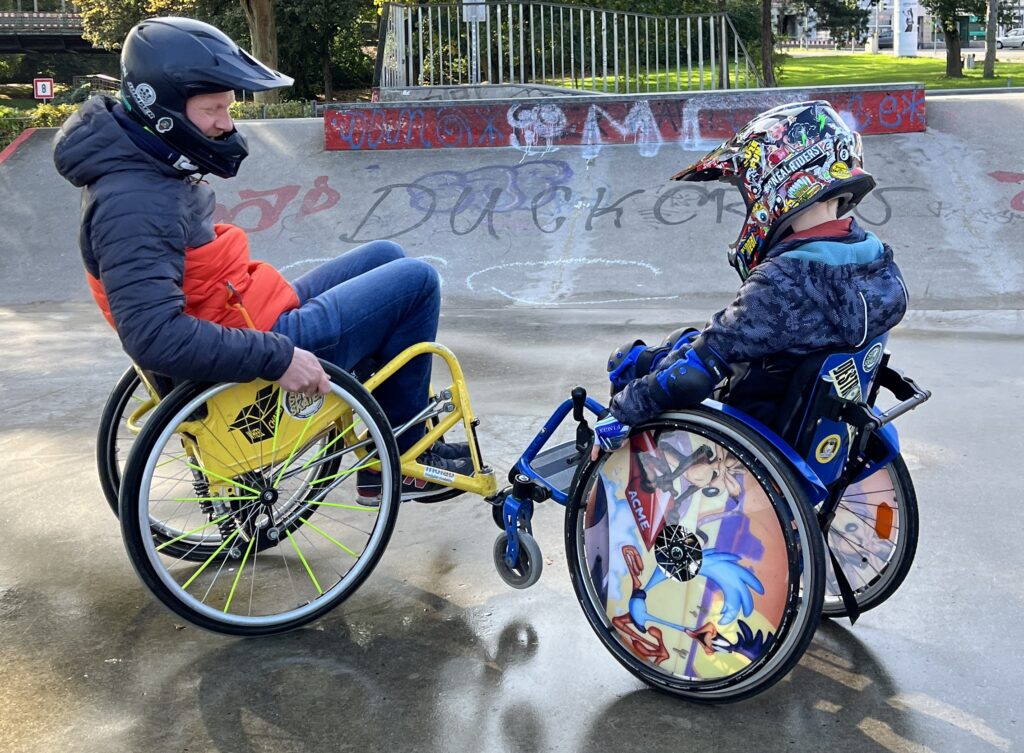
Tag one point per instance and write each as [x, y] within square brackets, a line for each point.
[68, 23]
[606, 51]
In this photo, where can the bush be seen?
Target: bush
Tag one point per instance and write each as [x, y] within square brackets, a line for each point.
[50, 116]
[253, 110]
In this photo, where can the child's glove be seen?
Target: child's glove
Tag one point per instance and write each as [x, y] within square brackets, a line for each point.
[610, 433]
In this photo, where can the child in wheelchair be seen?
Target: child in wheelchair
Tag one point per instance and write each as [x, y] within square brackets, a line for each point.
[812, 279]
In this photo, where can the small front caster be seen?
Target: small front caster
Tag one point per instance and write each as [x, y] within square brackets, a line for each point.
[528, 565]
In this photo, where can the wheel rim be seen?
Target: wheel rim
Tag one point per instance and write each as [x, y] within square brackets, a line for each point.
[866, 538]
[660, 553]
[280, 548]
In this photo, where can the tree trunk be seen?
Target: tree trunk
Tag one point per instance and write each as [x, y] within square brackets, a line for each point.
[951, 33]
[767, 44]
[990, 39]
[259, 15]
[325, 62]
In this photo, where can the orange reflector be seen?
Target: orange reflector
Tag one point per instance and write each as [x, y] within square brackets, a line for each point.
[883, 522]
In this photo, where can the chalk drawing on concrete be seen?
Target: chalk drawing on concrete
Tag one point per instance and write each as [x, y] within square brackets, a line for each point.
[475, 284]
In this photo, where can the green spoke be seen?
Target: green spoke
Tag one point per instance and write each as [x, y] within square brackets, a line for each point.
[211, 499]
[295, 447]
[302, 559]
[346, 473]
[201, 528]
[211, 558]
[329, 444]
[305, 521]
[219, 477]
[172, 459]
[357, 508]
[238, 575]
[277, 423]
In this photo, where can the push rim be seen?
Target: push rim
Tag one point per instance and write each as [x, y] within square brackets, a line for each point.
[797, 543]
[251, 559]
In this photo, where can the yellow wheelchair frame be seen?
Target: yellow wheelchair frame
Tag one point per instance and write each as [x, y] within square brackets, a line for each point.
[447, 408]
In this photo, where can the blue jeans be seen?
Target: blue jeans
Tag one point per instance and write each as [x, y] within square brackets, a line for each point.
[371, 302]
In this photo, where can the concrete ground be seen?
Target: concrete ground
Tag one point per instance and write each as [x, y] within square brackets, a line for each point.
[435, 653]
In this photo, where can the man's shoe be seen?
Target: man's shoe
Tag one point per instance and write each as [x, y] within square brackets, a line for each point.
[368, 480]
[450, 450]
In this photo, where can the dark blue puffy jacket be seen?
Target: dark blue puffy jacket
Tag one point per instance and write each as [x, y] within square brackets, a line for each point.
[807, 295]
[138, 216]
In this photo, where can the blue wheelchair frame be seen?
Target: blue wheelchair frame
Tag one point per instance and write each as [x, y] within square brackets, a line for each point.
[835, 457]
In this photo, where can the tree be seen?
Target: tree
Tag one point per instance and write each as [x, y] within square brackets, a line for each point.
[767, 44]
[990, 39]
[260, 15]
[948, 14]
[845, 20]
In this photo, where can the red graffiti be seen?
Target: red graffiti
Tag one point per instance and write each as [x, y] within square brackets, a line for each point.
[320, 197]
[261, 210]
[1017, 202]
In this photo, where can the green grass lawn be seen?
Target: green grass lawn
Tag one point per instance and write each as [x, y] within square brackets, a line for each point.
[822, 70]
[832, 70]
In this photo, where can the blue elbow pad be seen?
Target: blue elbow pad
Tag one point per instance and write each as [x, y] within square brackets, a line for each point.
[689, 377]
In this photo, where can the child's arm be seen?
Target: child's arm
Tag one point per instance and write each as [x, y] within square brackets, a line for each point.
[684, 378]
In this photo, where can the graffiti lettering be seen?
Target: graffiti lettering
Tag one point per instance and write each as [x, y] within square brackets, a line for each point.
[879, 195]
[544, 198]
[371, 216]
[1017, 202]
[261, 210]
[269, 212]
[596, 210]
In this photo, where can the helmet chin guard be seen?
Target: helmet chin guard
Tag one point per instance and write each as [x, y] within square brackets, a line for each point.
[165, 62]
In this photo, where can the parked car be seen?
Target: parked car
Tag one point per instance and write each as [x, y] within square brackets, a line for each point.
[885, 38]
[1012, 38]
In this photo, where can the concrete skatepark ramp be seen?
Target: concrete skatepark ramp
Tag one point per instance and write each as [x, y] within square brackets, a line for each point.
[563, 226]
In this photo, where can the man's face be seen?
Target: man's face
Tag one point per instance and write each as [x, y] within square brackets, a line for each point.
[209, 113]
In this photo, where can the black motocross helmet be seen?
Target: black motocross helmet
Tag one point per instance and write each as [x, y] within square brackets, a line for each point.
[164, 62]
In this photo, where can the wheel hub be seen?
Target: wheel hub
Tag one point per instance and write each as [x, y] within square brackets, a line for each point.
[678, 552]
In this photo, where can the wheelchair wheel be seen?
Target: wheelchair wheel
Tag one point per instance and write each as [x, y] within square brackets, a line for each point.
[874, 538]
[115, 438]
[262, 482]
[696, 557]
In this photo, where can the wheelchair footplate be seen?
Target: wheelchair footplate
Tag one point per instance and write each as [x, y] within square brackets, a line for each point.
[557, 465]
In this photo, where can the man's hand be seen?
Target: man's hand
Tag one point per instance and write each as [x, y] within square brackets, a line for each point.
[305, 374]
[609, 434]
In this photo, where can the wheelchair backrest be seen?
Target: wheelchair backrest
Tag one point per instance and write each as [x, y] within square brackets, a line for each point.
[829, 379]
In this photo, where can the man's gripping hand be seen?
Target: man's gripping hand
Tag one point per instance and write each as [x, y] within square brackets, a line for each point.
[305, 374]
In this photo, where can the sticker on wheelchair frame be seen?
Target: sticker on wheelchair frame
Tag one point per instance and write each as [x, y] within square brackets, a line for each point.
[828, 448]
[257, 421]
[872, 357]
[846, 380]
[300, 406]
[439, 474]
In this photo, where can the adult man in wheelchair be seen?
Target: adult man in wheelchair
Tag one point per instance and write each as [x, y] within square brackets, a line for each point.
[185, 298]
[812, 282]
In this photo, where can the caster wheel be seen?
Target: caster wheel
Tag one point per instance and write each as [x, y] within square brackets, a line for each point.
[528, 567]
[498, 515]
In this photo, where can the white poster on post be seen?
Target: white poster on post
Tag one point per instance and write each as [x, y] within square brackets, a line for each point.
[904, 27]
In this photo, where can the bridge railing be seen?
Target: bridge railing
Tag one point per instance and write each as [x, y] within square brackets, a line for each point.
[43, 23]
[453, 43]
